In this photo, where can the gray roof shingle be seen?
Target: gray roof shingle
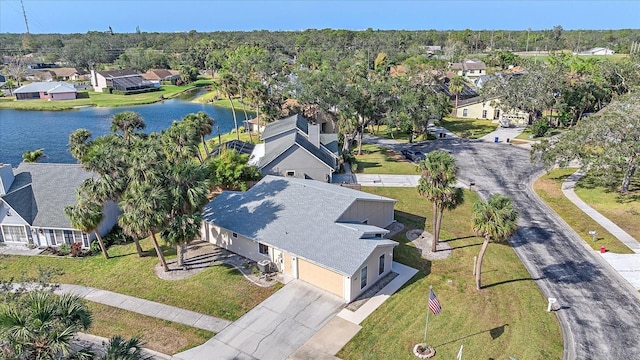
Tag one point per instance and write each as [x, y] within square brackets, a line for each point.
[287, 124]
[279, 146]
[40, 191]
[46, 86]
[299, 216]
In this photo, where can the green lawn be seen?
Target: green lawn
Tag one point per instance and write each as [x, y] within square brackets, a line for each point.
[624, 210]
[384, 131]
[507, 318]
[526, 134]
[379, 160]
[160, 335]
[469, 128]
[549, 188]
[219, 291]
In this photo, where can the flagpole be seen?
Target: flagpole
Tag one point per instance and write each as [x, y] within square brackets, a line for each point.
[426, 325]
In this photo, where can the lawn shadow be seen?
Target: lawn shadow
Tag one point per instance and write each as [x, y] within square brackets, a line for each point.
[495, 333]
[510, 281]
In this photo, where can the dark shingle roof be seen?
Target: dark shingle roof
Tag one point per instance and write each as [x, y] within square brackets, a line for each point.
[287, 124]
[301, 217]
[117, 73]
[51, 188]
[279, 146]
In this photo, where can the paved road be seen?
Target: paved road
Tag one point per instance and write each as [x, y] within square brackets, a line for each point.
[598, 310]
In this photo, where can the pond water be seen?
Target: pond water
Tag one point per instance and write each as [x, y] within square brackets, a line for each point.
[21, 131]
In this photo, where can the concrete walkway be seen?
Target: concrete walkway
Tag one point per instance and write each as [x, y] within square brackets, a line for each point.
[627, 265]
[146, 307]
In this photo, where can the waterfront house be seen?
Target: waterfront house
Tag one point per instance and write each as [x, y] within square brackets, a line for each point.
[48, 90]
[121, 80]
[329, 236]
[32, 201]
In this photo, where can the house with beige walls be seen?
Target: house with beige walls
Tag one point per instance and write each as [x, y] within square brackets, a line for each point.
[482, 108]
[329, 236]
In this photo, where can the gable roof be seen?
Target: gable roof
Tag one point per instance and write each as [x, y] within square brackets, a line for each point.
[278, 146]
[287, 124]
[47, 86]
[40, 191]
[301, 217]
[62, 72]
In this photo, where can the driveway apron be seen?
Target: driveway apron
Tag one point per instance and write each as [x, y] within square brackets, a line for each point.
[275, 328]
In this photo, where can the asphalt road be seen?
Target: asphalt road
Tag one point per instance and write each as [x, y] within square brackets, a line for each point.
[599, 312]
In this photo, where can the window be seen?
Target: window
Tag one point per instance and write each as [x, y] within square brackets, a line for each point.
[14, 234]
[59, 237]
[363, 277]
[68, 237]
[484, 114]
[497, 115]
[381, 264]
[264, 249]
[290, 173]
[465, 112]
[235, 235]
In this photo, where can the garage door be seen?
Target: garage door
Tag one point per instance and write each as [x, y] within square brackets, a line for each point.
[320, 277]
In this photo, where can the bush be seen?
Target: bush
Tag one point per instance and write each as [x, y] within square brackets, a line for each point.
[94, 248]
[76, 249]
[539, 128]
[116, 237]
[64, 249]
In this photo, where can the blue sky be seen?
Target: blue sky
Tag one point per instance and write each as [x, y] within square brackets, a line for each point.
[80, 16]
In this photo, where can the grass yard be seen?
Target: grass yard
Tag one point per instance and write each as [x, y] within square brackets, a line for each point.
[526, 134]
[469, 128]
[624, 210]
[549, 188]
[384, 131]
[507, 318]
[379, 160]
[218, 291]
[160, 335]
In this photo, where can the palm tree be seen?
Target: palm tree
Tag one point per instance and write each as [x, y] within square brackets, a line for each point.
[86, 215]
[78, 143]
[437, 184]
[228, 86]
[145, 208]
[203, 124]
[496, 220]
[456, 86]
[41, 325]
[127, 122]
[33, 156]
[120, 349]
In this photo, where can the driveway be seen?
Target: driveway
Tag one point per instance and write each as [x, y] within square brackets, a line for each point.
[599, 311]
[274, 329]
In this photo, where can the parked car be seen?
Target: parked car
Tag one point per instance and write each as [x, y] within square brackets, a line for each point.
[413, 155]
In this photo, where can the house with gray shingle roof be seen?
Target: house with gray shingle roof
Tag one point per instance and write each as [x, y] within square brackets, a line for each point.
[330, 236]
[48, 90]
[32, 201]
[295, 147]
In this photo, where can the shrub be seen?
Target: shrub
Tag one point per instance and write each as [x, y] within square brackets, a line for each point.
[64, 249]
[94, 248]
[76, 249]
[116, 237]
[539, 128]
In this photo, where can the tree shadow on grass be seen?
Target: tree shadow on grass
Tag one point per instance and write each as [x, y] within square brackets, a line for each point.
[510, 281]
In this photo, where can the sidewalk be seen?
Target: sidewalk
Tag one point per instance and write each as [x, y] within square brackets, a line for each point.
[628, 265]
[146, 307]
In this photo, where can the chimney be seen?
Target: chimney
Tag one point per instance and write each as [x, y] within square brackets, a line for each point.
[314, 134]
[6, 178]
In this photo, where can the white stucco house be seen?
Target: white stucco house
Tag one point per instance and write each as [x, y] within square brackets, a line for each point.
[329, 236]
[32, 201]
[46, 90]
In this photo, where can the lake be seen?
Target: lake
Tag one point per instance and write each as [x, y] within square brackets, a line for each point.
[21, 131]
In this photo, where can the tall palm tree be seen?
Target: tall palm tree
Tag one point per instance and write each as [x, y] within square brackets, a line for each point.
[496, 220]
[127, 122]
[79, 144]
[180, 142]
[456, 86]
[120, 349]
[33, 156]
[86, 215]
[41, 326]
[144, 206]
[228, 86]
[437, 184]
[203, 124]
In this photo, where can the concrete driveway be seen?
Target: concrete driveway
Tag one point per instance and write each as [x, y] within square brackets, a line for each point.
[274, 329]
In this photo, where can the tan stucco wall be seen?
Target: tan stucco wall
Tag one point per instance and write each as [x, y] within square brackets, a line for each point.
[287, 265]
[474, 111]
[372, 270]
[320, 277]
[377, 213]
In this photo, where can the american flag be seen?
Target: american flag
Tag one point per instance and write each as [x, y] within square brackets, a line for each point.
[434, 303]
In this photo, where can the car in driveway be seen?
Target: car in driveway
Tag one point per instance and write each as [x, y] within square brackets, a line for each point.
[413, 155]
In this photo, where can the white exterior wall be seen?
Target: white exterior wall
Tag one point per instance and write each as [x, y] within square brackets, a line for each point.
[372, 271]
[240, 245]
[111, 212]
[377, 213]
[474, 111]
[63, 96]
[98, 81]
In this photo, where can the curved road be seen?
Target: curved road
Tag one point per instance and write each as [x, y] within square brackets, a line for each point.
[599, 311]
